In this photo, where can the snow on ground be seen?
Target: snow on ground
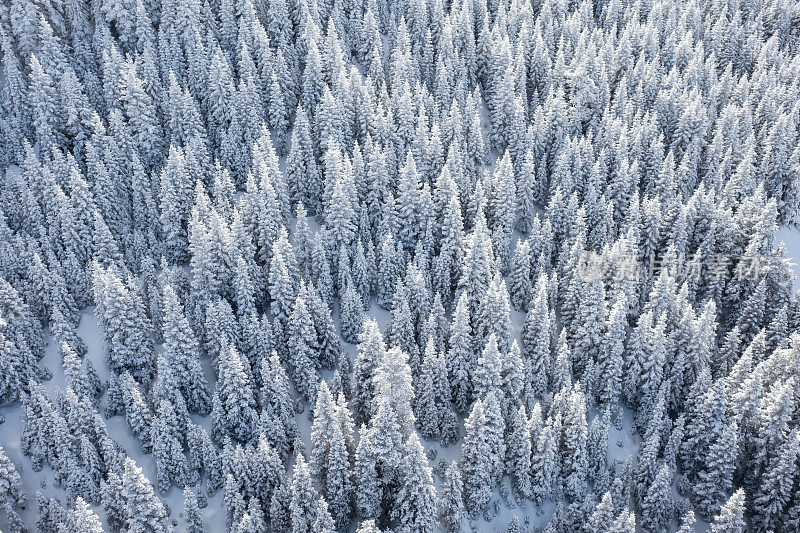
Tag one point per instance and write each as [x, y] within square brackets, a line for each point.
[622, 443]
[214, 513]
[11, 430]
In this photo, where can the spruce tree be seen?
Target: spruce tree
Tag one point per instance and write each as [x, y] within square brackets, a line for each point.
[303, 504]
[234, 407]
[303, 350]
[452, 502]
[351, 314]
[182, 352]
[476, 460]
[191, 512]
[143, 510]
[731, 516]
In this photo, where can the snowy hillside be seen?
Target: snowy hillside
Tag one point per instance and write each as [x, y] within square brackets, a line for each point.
[399, 265]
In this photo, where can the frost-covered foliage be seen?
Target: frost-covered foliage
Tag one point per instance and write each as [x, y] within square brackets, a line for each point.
[399, 265]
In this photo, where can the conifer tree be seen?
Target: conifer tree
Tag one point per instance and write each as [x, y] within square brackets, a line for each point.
[461, 359]
[277, 419]
[731, 516]
[715, 480]
[389, 269]
[416, 497]
[175, 205]
[624, 523]
[11, 493]
[452, 502]
[518, 455]
[327, 338]
[488, 372]
[191, 512]
[142, 116]
[143, 510]
[81, 518]
[536, 339]
[611, 355]
[433, 398]
[351, 314]
[234, 407]
[303, 504]
[773, 490]
[42, 100]
[171, 467]
[521, 287]
[368, 526]
[657, 503]
[476, 459]
[303, 176]
[124, 323]
[303, 356]
[137, 412]
[371, 351]
[182, 352]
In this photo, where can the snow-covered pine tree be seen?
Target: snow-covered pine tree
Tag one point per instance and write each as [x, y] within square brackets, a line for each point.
[476, 459]
[518, 452]
[303, 349]
[143, 510]
[234, 407]
[182, 353]
[303, 504]
[416, 498]
[731, 516]
[12, 497]
[277, 420]
[351, 313]
[371, 351]
[536, 340]
[170, 460]
[657, 503]
[191, 512]
[451, 503]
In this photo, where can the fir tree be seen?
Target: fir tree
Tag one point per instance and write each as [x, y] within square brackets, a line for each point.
[143, 510]
[476, 459]
[181, 351]
[191, 512]
[303, 504]
[351, 314]
[731, 516]
[234, 407]
[303, 356]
